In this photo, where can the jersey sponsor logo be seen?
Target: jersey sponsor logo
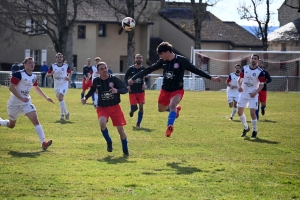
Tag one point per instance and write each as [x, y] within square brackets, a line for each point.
[169, 75]
[107, 95]
[176, 65]
[111, 84]
[138, 80]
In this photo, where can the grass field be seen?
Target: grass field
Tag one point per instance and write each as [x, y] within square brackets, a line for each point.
[205, 158]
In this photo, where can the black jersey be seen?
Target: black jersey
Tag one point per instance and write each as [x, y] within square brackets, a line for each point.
[173, 72]
[105, 96]
[87, 71]
[137, 86]
[268, 79]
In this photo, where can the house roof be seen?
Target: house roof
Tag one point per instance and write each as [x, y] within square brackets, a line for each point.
[288, 32]
[213, 29]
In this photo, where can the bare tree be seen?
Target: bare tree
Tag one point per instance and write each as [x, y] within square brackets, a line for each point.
[55, 18]
[251, 13]
[290, 4]
[139, 11]
[199, 13]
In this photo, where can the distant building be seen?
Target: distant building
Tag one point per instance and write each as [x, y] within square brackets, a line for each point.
[287, 14]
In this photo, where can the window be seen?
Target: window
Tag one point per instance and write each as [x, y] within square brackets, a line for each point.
[81, 32]
[32, 27]
[283, 46]
[36, 54]
[102, 30]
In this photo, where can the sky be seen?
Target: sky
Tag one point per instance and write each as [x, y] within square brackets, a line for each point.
[226, 10]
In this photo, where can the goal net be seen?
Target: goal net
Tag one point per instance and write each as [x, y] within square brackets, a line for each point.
[283, 67]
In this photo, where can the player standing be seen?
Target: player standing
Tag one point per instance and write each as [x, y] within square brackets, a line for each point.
[250, 83]
[109, 89]
[262, 95]
[137, 90]
[232, 89]
[172, 91]
[20, 100]
[87, 78]
[61, 73]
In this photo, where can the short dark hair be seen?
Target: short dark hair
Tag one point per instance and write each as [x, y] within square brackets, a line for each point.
[256, 56]
[164, 47]
[261, 61]
[237, 65]
[101, 63]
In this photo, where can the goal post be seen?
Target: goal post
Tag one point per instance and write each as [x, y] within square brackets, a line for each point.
[283, 67]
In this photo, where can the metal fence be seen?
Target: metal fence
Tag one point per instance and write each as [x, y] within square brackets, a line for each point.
[279, 83]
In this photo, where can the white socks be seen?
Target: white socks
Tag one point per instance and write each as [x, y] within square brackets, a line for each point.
[233, 111]
[3, 122]
[244, 122]
[63, 107]
[40, 132]
[96, 99]
[254, 125]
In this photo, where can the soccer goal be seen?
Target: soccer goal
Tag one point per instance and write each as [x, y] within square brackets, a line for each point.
[282, 66]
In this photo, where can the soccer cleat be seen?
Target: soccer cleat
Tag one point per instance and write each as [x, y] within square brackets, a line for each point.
[109, 147]
[263, 111]
[131, 114]
[245, 131]
[230, 118]
[62, 117]
[67, 116]
[138, 126]
[45, 144]
[178, 109]
[169, 130]
[126, 152]
[254, 134]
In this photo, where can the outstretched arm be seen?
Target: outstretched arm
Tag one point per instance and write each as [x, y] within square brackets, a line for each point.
[42, 94]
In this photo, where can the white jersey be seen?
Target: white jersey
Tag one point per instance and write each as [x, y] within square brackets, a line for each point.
[251, 80]
[60, 73]
[95, 72]
[233, 80]
[24, 83]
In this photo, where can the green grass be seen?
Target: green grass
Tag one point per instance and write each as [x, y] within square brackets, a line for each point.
[204, 159]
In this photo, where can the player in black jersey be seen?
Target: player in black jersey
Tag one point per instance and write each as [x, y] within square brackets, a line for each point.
[109, 89]
[171, 92]
[87, 77]
[262, 95]
[137, 90]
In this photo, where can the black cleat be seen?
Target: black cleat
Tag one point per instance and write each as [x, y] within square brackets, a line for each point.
[254, 134]
[126, 152]
[230, 118]
[263, 111]
[131, 114]
[109, 147]
[245, 131]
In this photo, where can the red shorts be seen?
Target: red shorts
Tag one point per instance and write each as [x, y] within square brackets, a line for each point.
[137, 98]
[165, 97]
[114, 112]
[262, 96]
[86, 84]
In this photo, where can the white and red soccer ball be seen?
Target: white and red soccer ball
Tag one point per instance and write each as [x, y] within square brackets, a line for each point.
[128, 24]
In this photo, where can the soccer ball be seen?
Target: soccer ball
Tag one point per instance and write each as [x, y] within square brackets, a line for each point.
[128, 24]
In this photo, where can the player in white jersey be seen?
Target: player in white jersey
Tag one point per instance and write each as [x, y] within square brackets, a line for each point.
[95, 74]
[250, 83]
[20, 100]
[232, 89]
[61, 73]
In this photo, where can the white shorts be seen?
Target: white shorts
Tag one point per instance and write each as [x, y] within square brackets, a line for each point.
[232, 98]
[15, 110]
[248, 102]
[61, 90]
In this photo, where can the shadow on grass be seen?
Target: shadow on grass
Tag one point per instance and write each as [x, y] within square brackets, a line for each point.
[183, 170]
[142, 129]
[25, 154]
[260, 140]
[116, 160]
[63, 122]
[266, 120]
